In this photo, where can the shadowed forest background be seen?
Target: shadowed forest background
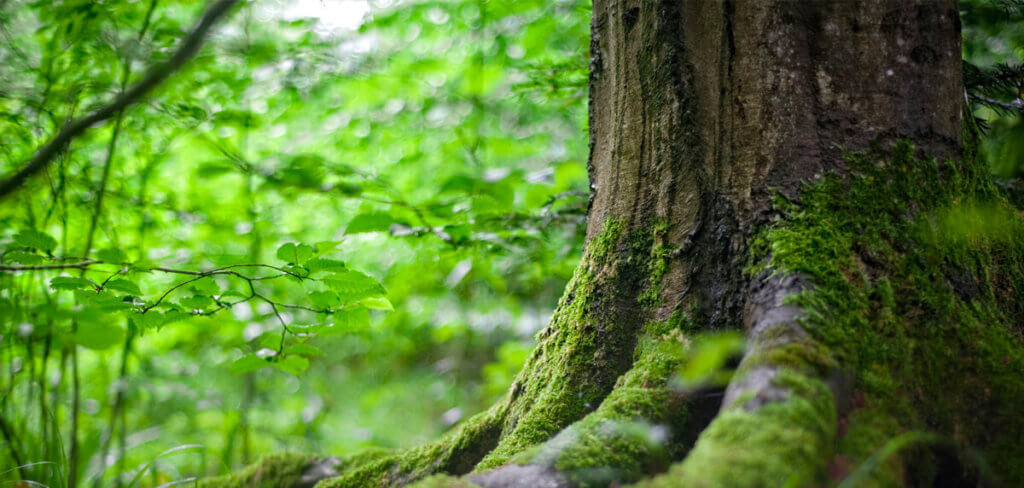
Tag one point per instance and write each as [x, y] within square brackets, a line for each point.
[425, 160]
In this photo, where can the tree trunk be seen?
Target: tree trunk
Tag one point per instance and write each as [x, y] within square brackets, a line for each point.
[797, 170]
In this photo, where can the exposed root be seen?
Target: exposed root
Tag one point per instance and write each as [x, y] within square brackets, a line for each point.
[639, 429]
[777, 424]
[516, 476]
[584, 349]
[278, 470]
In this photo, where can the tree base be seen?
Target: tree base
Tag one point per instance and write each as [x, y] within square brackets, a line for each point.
[884, 349]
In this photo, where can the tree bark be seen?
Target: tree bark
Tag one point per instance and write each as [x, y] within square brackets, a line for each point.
[788, 169]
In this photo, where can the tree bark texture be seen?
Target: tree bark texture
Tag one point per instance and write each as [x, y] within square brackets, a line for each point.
[793, 170]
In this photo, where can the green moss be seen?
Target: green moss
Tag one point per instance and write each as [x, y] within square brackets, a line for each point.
[863, 432]
[918, 279]
[630, 434]
[443, 481]
[657, 265]
[784, 443]
[273, 471]
[584, 348]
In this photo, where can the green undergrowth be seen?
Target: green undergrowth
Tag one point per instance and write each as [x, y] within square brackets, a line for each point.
[917, 269]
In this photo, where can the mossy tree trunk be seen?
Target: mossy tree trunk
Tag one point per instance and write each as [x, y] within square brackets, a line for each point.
[796, 170]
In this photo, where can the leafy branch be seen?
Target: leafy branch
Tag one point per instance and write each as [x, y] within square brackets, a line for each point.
[154, 77]
[1000, 87]
[340, 289]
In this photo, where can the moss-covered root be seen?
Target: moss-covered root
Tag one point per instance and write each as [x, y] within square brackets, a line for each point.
[584, 349]
[284, 470]
[638, 430]
[455, 453]
[786, 442]
[778, 423]
[443, 481]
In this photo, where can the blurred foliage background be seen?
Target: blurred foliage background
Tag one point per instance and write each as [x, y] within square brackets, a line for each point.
[410, 175]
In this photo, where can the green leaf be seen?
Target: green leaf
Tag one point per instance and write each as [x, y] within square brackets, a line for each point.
[324, 299]
[303, 350]
[294, 253]
[292, 364]
[101, 301]
[212, 169]
[71, 283]
[323, 247]
[98, 334]
[156, 319]
[248, 363]
[205, 286]
[459, 234]
[296, 272]
[303, 170]
[196, 302]
[708, 357]
[459, 184]
[23, 257]
[352, 285]
[322, 264]
[352, 320]
[377, 303]
[148, 320]
[370, 222]
[233, 294]
[348, 189]
[36, 240]
[112, 255]
[119, 284]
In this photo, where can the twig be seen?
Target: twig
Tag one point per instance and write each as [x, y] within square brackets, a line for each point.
[41, 267]
[1016, 105]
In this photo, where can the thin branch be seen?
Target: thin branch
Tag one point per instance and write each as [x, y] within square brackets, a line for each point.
[1016, 105]
[41, 267]
[156, 75]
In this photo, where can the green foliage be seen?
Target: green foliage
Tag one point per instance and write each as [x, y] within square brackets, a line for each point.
[313, 236]
[993, 48]
[35, 240]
